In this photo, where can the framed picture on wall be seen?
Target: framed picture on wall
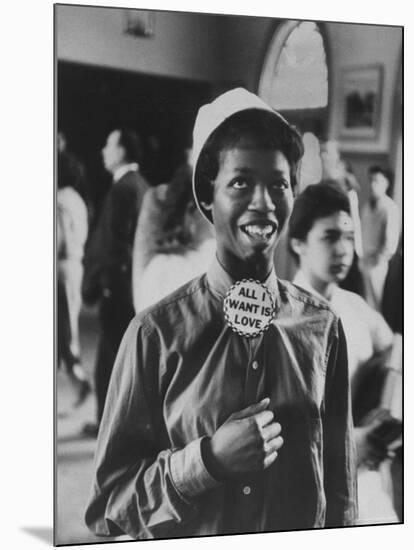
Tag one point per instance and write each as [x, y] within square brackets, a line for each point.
[361, 88]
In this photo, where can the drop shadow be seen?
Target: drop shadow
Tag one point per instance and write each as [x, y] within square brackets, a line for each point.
[45, 534]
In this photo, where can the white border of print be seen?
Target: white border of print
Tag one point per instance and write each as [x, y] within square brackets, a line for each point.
[27, 267]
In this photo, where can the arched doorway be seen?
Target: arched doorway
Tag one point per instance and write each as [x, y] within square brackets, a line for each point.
[295, 81]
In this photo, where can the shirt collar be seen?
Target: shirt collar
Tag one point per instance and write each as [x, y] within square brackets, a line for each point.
[375, 204]
[220, 280]
[125, 168]
[301, 280]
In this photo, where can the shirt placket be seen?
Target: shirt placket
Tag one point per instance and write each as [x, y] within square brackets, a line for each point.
[254, 385]
[249, 491]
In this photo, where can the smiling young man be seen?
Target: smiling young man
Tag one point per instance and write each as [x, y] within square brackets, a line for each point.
[228, 409]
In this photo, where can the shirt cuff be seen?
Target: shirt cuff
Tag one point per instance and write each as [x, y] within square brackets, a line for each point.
[188, 471]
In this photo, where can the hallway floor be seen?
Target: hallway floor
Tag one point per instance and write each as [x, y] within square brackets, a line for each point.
[74, 457]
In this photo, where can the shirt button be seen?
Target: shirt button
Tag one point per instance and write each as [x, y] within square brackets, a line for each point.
[247, 490]
[255, 365]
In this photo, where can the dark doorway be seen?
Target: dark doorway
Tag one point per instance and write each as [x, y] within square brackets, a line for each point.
[91, 101]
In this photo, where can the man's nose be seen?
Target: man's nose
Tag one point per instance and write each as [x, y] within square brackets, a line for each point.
[343, 247]
[261, 199]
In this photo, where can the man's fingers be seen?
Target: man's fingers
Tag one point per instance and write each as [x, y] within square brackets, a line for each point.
[271, 431]
[268, 461]
[251, 410]
[273, 445]
[263, 419]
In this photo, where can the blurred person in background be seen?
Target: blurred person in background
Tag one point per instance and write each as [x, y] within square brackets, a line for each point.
[72, 231]
[71, 170]
[380, 222]
[321, 237]
[336, 170]
[108, 261]
[173, 242]
[392, 309]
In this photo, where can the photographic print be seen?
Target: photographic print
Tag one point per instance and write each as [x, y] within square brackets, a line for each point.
[362, 96]
[228, 261]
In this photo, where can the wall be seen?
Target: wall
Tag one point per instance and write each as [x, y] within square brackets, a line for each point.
[365, 45]
[223, 49]
[184, 45]
[228, 51]
[349, 44]
[244, 41]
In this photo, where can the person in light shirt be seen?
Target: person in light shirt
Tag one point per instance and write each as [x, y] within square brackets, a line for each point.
[171, 237]
[321, 239]
[71, 235]
[380, 221]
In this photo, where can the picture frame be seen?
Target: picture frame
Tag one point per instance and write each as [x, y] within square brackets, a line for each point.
[361, 103]
[154, 80]
[139, 23]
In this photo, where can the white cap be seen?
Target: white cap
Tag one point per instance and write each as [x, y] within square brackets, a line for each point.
[212, 115]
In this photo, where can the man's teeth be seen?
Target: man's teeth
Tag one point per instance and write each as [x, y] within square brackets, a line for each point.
[259, 230]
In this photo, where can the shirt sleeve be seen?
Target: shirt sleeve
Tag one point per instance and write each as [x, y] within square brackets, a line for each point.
[141, 487]
[339, 449]
[391, 231]
[381, 334]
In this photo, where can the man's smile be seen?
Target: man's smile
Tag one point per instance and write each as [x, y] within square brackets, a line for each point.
[260, 230]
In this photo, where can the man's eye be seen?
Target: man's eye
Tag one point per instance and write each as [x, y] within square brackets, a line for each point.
[239, 184]
[280, 184]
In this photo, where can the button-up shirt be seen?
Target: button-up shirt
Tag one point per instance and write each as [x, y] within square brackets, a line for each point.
[72, 224]
[365, 330]
[181, 371]
[380, 229]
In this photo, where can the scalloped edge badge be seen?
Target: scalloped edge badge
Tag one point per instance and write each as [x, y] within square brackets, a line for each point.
[249, 308]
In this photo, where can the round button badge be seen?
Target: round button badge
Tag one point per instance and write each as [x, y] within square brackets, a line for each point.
[249, 308]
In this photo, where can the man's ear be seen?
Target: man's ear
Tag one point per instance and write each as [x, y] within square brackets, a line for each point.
[207, 205]
[297, 246]
[206, 200]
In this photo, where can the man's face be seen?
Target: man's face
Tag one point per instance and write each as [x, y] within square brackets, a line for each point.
[327, 253]
[113, 154]
[252, 199]
[379, 185]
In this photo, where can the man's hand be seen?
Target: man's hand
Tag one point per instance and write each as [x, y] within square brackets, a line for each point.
[247, 441]
[367, 452]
